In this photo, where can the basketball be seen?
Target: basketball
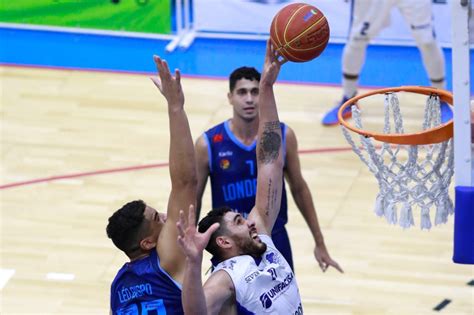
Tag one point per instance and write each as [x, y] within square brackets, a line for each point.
[299, 32]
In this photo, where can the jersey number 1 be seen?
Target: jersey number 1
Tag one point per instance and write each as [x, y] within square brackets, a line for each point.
[251, 166]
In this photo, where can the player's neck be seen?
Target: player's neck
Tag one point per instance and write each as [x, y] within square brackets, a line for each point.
[246, 131]
[139, 256]
[230, 253]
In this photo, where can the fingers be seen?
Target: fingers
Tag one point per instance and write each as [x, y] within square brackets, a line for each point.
[191, 215]
[161, 67]
[164, 71]
[213, 228]
[336, 266]
[180, 224]
[270, 54]
[177, 75]
[158, 63]
[156, 81]
[323, 266]
[269, 48]
[274, 55]
[181, 242]
[210, 230]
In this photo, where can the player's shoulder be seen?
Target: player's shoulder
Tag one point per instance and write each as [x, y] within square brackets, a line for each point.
[216, 128]
[236, 266]
[211, 134]
[216, 135]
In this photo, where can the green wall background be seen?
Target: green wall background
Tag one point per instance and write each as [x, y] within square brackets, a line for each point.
[148, 16]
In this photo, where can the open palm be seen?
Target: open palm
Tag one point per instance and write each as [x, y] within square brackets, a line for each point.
[169, 85]
[190, 240]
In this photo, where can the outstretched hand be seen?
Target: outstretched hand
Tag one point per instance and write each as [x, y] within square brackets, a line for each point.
[324, 260]
[271, 66]
[192, 242]
[168, 85]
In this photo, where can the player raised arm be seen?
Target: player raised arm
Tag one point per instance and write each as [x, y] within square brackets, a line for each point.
[269, 149]
[181, 166]
[196, 300]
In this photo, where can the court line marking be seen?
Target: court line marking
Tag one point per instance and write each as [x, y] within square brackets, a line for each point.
[60, 276]
[5, 275]
[84, 174]
[137, 168]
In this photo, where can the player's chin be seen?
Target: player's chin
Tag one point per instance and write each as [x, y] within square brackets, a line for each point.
[261, 248]
[250, 115]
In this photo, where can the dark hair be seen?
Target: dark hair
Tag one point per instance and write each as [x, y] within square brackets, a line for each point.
[214, 216]
[127, 226]
[248, 73]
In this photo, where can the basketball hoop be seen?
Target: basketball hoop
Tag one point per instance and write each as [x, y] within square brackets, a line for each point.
[412, 169]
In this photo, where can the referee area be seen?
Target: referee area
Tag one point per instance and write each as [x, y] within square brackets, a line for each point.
[84, 130]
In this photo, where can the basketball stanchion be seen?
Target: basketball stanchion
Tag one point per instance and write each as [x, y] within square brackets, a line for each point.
[412, 169]
[184, 33]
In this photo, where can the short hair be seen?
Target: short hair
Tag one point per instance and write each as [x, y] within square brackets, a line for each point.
[248, 73]
[214, 216]
[127, 226]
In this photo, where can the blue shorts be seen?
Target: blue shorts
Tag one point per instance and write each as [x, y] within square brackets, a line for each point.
[282, 242]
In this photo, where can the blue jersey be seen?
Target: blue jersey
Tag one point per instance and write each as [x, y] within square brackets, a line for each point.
[143, 287]
[233, 172]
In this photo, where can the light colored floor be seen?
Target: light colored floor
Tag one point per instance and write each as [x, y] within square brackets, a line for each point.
[59, 123]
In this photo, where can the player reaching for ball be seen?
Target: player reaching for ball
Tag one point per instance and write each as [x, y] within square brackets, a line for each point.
[226, 153]
[151, 281]
[251, 277]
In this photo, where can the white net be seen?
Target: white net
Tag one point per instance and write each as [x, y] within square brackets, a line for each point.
[408, 175]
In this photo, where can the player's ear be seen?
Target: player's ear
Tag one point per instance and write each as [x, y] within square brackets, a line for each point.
[223, 242]
[148, 243]
[229, 97]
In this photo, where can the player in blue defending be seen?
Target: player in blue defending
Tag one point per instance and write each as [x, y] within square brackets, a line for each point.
[151, 282]
[226, 154]
[251, 277]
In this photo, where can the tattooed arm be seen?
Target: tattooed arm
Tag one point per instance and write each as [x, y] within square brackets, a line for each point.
[269, 150]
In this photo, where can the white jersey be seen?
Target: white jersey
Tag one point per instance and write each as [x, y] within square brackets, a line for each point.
[266, 288]
[371, 16]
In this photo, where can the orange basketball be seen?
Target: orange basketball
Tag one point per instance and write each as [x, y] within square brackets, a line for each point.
[299, 32]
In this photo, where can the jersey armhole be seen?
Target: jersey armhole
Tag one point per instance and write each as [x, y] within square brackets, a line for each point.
[157, 264]
[238, 289]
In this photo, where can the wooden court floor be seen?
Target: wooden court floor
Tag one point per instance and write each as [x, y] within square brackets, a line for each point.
[76, 145]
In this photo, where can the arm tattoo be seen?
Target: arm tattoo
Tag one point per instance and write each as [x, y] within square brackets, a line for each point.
[270, 142]
[272, 194]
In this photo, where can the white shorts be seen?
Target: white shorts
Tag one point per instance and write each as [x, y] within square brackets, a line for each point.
[371, 16]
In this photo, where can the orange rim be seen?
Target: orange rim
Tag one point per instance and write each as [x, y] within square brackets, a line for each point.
[435, 135]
